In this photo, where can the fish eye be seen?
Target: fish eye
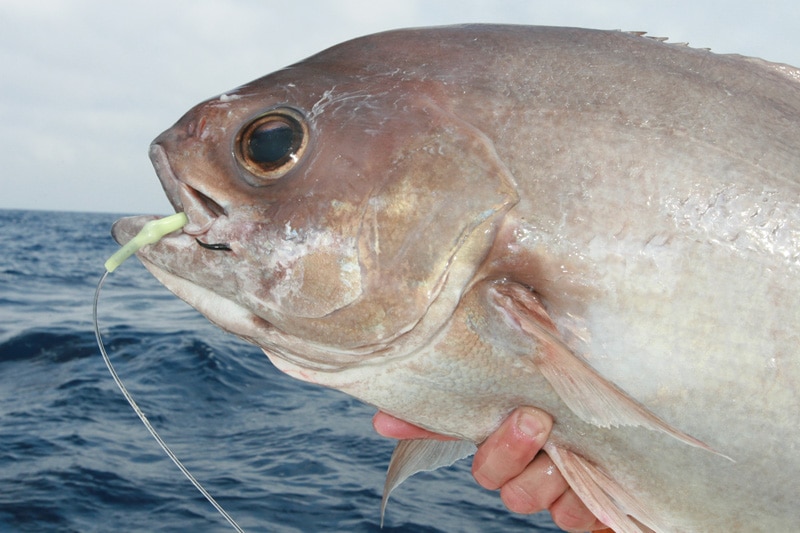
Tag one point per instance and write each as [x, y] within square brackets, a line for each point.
[271, 144]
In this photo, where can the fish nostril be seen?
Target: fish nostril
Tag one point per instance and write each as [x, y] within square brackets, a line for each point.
[196, 128]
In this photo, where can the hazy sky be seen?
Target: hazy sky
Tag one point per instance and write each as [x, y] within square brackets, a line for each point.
[86, 85]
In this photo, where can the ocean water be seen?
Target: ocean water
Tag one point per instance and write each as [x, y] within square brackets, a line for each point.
[278, 454]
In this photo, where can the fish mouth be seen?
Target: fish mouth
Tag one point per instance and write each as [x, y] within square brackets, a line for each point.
[201, 210]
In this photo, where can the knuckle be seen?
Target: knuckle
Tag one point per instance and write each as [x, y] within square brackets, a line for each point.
[484, 473]
[571, 518]
[519, 500]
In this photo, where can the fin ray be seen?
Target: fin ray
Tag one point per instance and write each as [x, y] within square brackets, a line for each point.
[590, 396]
[607, 500]
[420, 455]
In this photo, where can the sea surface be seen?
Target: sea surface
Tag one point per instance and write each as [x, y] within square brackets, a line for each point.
[280, 455]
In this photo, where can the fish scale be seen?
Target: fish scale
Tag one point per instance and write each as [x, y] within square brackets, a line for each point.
[613, 218]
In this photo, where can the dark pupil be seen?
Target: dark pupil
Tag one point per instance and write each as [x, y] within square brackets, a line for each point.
[271, 142]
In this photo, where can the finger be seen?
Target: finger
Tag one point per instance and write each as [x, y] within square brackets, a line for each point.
[571, 514]
[509, 450]
[389, 426]
[536, 488]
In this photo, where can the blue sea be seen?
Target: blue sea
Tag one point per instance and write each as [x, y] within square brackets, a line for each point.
[279, 455]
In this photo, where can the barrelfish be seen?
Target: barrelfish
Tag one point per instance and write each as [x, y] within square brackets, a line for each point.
[449, 223]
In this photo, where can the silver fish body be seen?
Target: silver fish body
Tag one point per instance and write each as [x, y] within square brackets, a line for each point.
[448, 223]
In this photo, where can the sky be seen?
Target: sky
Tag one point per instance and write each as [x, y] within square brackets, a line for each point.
[86, 85]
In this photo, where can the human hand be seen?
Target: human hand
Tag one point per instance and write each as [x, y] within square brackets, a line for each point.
[510, 460]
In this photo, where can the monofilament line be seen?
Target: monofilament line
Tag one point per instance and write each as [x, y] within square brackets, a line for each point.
[144, 419]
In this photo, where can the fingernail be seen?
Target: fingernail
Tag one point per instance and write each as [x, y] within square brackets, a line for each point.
[529, 424]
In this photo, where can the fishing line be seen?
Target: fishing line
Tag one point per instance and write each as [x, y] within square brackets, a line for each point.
[150, 233]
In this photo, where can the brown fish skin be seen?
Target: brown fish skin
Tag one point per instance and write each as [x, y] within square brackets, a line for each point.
[594, 223]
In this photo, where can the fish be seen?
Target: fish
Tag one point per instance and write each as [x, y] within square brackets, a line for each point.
[448, 223]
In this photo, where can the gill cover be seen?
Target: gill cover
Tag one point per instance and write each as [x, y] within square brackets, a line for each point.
[433, 193]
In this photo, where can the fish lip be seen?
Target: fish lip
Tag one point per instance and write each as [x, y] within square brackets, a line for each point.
[126, 228]
[201, 210]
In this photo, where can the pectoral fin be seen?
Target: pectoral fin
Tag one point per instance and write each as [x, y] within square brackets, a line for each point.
[419, 455]
[590, 396]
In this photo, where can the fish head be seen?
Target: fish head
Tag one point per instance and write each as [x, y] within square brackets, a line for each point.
[335, 214]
